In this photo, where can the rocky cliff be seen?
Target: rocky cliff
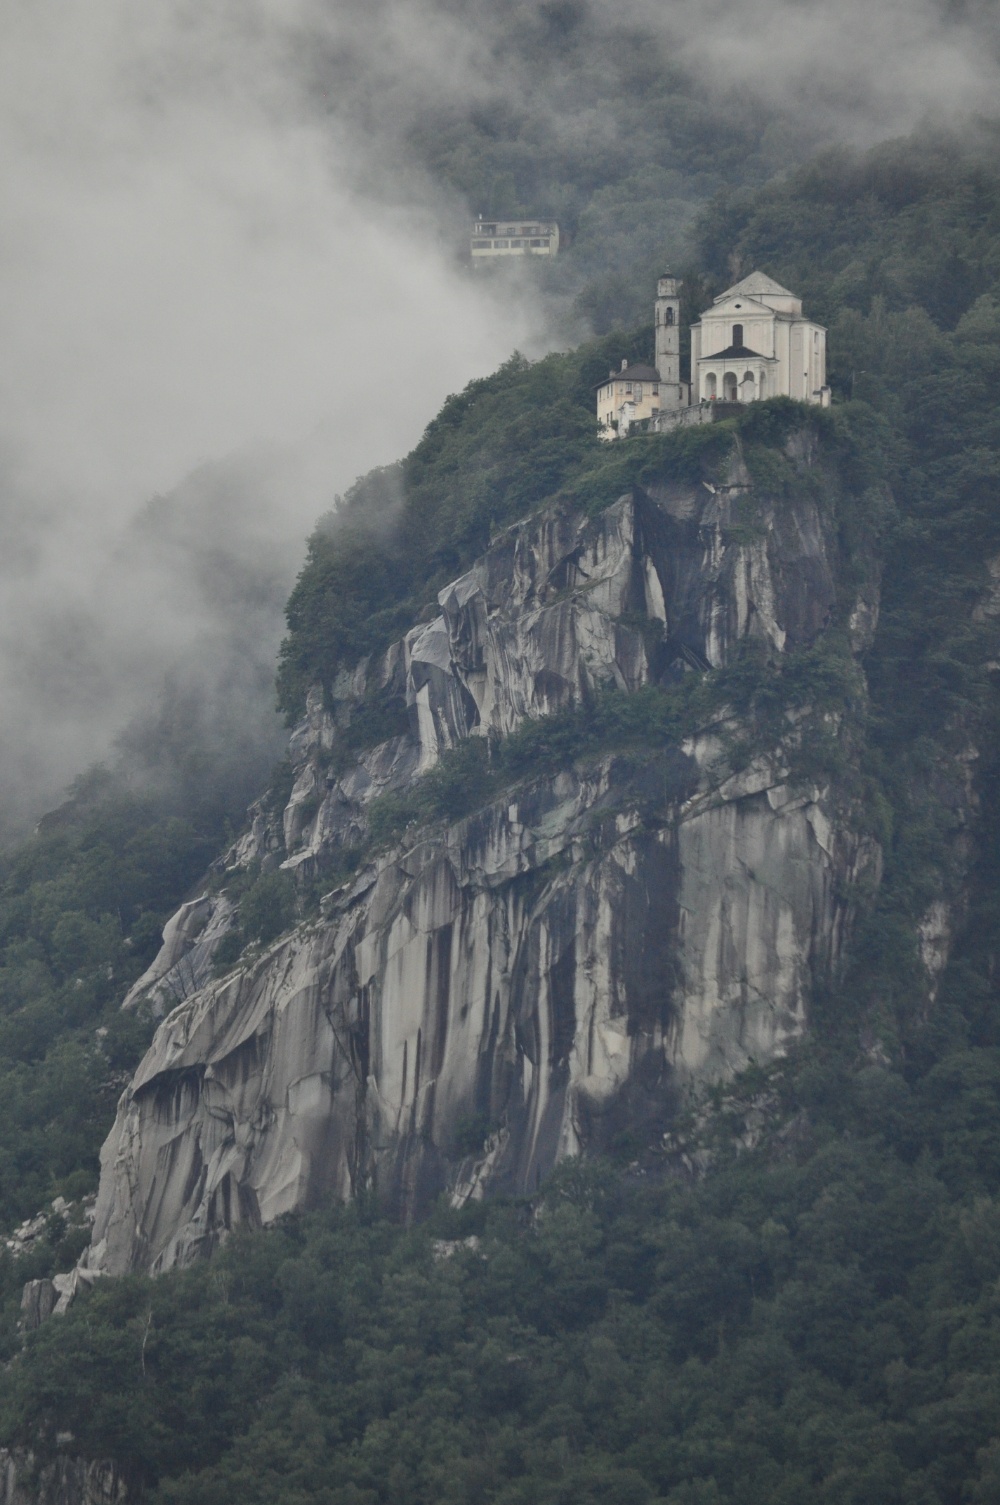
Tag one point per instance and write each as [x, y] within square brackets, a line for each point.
[567, 962]
[66, 1481]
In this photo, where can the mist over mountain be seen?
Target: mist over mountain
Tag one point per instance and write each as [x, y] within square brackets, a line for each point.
[188, 271]
[244, 225]
[578, 1078]
[554, 1057]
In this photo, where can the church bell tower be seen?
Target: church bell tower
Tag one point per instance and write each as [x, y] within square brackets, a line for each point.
[667, 318]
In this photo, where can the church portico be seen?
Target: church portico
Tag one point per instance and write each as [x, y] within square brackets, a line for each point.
[736, 375]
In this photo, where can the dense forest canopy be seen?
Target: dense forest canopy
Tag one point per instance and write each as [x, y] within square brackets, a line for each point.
[815, 1321]
[816, 1318]
[82, 908]
[564, 110]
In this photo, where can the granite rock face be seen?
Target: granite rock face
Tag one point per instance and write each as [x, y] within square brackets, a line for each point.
[559, 607]
[66, 1481]
[568, 963]
[184, 961]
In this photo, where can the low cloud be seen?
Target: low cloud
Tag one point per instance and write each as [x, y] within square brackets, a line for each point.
[856, 71]
[221, 237]
[188, 267]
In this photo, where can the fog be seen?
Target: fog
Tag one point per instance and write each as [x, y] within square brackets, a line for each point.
[855, 71]
[226, 279]
[187, 268]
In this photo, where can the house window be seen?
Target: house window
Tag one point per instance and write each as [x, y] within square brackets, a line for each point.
[656, 390]
[638, 391]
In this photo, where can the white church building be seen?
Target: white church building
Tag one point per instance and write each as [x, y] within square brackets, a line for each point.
[753, 343]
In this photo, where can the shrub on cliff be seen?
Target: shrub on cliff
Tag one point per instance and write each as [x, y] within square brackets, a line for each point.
[82, 907]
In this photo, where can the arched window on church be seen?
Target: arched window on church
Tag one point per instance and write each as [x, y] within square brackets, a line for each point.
[738, 335]
[668, 317]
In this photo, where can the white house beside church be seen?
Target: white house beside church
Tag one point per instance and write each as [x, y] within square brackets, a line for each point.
[753, 343]
[629, 396]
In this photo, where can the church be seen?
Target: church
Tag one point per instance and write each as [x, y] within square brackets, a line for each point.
[753, 343]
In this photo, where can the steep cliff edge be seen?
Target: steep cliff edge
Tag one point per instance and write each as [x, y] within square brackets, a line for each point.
[812, 1317]
[568, 960]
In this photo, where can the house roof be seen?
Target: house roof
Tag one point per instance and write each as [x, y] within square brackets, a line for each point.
[755, 285]
[631, 373]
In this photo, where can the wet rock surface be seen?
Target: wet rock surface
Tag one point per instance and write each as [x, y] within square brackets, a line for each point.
[65, 1481]
[535, 980]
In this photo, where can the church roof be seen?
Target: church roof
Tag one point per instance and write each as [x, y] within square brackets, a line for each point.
[737, 352]
[755, 285]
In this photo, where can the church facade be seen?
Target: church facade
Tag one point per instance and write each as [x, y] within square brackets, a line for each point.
[753, 343]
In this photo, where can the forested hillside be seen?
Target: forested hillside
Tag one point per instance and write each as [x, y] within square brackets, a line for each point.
[817, 1321]
[814, 1317]
[82, 909]
[565, 112]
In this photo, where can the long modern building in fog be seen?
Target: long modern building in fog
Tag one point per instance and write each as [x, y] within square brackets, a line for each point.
[527, 237]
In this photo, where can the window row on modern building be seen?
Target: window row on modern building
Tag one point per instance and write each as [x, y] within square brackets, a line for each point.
[514, 238]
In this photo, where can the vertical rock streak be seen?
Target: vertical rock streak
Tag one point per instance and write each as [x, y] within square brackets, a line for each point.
[534, 980]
